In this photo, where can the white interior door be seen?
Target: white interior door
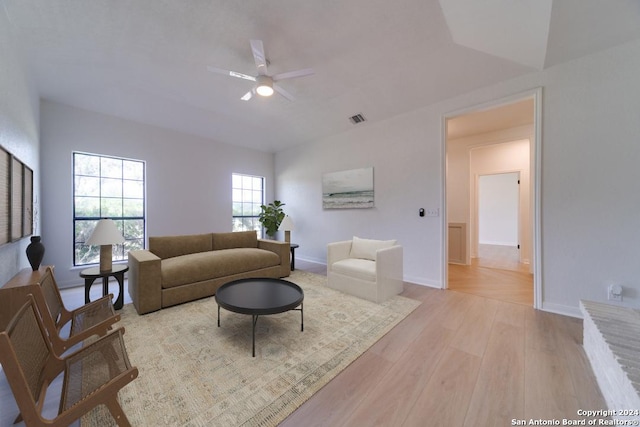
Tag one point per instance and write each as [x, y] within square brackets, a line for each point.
[498, 209]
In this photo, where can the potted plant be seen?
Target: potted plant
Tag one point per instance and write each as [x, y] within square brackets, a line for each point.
[271, 216]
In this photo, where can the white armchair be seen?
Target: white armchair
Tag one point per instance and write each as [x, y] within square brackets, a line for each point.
[369, 269]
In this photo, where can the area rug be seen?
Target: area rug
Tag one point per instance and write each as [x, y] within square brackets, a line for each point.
[194, 373]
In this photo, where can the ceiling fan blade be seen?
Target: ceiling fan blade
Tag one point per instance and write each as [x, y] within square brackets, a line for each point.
[231, 73]
[284, 93]
[293, 74]
[247, 96]
[257, 48]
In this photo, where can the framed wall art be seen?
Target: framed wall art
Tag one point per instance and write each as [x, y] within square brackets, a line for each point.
[350, 189]
[16, 198]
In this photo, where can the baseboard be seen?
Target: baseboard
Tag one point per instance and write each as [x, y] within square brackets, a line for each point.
[313, 260]
[565, 310]
[422, 281]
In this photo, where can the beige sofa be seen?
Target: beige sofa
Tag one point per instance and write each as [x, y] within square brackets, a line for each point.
[177, 269]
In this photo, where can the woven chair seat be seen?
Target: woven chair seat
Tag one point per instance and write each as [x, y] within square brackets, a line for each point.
[95, 366]
[93, 315]
[95, 318]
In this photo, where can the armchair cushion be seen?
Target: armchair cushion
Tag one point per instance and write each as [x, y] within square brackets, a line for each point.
[361, 268]
[367, 248]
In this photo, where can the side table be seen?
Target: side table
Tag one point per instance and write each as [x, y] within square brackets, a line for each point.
[293, 255]
[91, 274]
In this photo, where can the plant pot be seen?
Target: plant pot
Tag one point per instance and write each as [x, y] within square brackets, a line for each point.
[35, 252]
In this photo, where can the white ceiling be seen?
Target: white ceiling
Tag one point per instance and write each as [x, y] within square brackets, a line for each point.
[146, 60]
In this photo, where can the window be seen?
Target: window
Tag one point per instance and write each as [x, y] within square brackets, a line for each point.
[247, 196]
[107, 187]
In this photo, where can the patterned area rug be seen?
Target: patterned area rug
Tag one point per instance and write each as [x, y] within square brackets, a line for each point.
[194, 373]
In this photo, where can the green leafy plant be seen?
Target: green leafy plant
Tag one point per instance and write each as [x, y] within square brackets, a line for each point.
[271, 216]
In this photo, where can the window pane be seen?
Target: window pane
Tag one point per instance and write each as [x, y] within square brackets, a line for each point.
[237, 209]
[236, 181]
[87, 186]
[257, 184]
[111, 187]
[132, 207]
[86, 165]
[133, 189]
[83, 230]
[132, 245]
[87, 206]
[111, 167]
[110, 208]
[236, 195]
[133, 170]
[133, 229]
[85, 254]
[257, 197]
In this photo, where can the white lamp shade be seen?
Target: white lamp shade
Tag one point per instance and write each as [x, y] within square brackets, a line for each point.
[105, 233]
[286, 224]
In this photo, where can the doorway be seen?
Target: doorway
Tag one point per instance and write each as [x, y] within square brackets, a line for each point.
[491, 151]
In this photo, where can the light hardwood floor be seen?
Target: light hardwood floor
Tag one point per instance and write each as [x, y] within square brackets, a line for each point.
[496, 273]
[461, 360]
[458, 360]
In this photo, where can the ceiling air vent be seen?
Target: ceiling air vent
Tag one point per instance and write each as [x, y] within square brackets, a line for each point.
[358, 118]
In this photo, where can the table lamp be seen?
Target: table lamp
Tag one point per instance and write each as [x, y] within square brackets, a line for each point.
[106, 235]
[286, 225]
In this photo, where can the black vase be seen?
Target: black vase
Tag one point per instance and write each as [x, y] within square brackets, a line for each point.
[35, 252]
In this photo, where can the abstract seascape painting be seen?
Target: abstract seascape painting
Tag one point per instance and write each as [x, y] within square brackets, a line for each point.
[348, 189]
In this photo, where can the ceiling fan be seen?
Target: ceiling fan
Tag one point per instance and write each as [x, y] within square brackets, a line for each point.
[265, 84]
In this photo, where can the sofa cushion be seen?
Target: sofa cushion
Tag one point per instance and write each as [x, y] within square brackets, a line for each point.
[367, 248]
[237, 239]
[359, 268]
[172, 246]
[203, 266]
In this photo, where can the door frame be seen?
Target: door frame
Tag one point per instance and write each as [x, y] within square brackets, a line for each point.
[535, 170]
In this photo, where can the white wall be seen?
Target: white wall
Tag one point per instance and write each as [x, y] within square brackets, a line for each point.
[188, 177]
[405, 154]
[18, 133]
[590, 174]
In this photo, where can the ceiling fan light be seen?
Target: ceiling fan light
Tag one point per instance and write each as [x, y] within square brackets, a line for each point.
[264, 86]
[264, 90]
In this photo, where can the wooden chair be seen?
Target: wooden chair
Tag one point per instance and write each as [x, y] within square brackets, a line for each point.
[93, 375]
[94, 318]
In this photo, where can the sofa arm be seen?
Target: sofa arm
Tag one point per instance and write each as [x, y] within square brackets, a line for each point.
[145, 281]
[337, 251]
[389, 263]
[282, 249]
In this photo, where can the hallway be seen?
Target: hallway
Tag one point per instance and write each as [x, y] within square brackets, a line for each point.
[496, 274]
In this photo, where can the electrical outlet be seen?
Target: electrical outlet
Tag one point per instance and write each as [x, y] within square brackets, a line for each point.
[433, 212]
[614, 293]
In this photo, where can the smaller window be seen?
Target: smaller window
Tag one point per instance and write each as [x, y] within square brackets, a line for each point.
[247, 197]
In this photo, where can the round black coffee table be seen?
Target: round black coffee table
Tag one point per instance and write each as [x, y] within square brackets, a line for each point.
[259, 297]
